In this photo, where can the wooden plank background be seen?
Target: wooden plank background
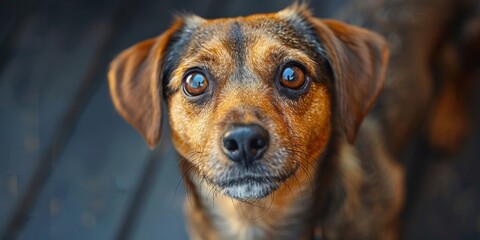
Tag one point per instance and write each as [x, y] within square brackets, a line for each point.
[55, 110]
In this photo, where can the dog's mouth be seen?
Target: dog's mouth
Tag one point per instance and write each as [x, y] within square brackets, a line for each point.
[252, 187]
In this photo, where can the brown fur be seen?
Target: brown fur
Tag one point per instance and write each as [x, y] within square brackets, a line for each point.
[457, 63]
[333, 162]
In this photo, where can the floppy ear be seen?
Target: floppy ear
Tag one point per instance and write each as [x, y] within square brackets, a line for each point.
[359, 60]
[135, 84]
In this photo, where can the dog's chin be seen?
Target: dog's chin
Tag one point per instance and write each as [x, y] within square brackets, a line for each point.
[250, 190]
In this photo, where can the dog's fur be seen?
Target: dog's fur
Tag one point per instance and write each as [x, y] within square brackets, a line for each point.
[330, 168]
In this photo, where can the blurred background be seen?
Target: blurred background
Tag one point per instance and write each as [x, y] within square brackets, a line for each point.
[71, 168]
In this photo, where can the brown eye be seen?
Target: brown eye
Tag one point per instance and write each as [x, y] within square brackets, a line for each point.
[292, 77]
[195, 83]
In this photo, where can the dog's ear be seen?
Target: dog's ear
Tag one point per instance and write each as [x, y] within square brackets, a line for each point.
[359, 60]
[135, 84]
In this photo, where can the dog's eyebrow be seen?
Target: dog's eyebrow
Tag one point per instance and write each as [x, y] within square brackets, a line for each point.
[303, 27]
[238, 43]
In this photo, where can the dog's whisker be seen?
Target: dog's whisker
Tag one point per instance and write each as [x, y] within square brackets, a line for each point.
[300, 164]
[300, 187]
[309, 178]
[184, 175]
[290, 189]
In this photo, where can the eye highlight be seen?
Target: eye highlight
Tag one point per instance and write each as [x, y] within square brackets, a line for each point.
[292, 77]
[195, 83]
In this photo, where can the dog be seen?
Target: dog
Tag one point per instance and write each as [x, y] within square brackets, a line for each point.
[273, 117]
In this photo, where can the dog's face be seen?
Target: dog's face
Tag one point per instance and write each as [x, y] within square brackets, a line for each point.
[242, 101]
[252, 101]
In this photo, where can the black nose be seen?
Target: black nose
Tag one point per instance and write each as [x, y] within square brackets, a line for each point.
[245, 143]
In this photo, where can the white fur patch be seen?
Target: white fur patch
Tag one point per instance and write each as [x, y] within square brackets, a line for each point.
[249, 190]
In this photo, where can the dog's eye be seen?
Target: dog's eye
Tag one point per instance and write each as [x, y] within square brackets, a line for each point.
[292, 77]
[195, 83]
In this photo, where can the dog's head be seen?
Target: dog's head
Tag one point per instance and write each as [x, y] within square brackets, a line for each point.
[252, 101]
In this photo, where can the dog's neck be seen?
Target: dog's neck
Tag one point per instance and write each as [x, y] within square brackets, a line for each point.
[275, 215]
[278, 216]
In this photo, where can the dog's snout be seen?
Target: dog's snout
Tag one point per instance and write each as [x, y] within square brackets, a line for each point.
[245, 143]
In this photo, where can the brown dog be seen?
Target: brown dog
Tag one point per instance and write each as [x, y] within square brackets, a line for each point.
[269, 113]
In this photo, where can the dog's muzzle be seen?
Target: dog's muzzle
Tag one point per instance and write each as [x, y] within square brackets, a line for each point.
[252, 175]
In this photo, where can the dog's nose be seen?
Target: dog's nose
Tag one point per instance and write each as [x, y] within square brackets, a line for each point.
[245, 143]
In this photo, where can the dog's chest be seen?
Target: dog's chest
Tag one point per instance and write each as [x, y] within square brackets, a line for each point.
[258, 220]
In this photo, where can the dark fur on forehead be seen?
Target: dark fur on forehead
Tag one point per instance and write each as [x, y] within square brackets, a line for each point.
[238, 42]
